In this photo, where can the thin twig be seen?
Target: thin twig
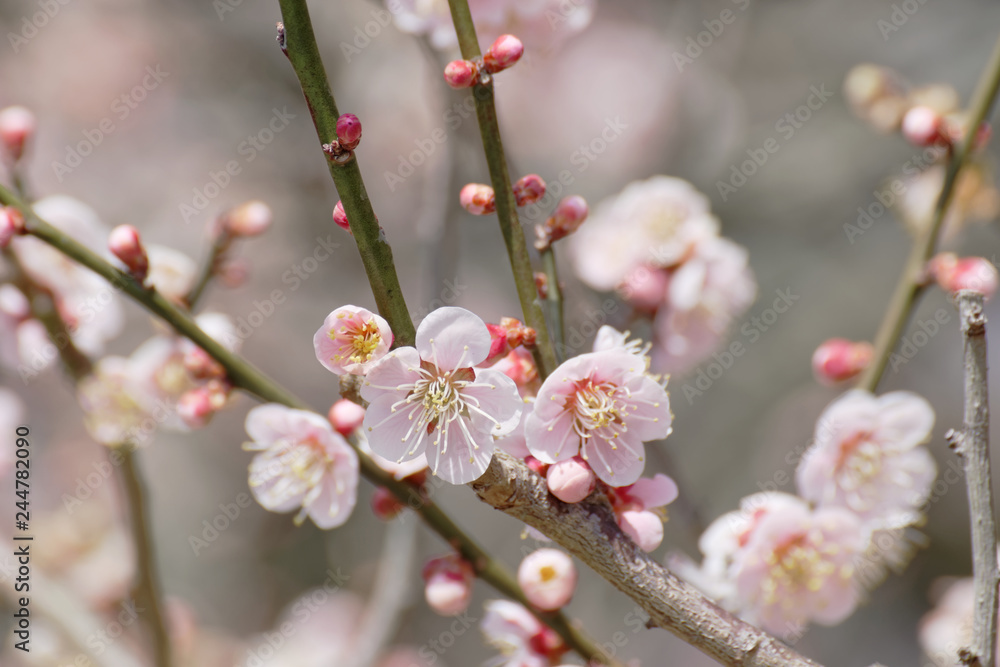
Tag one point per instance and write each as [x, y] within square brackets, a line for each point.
[911, 281]
[147, 590]
[974, 447]
[555, 299]
[510, 226]
[220, 244]
[298, 42]
[588, 530]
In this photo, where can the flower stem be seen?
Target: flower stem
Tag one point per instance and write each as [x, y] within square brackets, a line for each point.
[298, 42]
[555, 299]
[247, 377]
[510, 226]
[220, 244]
[912, 280]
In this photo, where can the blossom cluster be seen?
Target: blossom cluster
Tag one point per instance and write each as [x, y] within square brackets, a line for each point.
[784, 561]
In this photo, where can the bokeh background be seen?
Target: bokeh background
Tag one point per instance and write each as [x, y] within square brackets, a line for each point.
[225, 81]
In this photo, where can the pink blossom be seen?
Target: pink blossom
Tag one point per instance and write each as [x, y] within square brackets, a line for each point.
[947, 628]
[431, 398]
[522, 640]
[251, 218]
[645, 528]
[548, 578]
[798, 567]
[171, 272]
[602, 406]
[410, 468]
[17, 127]
[705, 294]
[866, 457]
[303, 464]
[125, 244]
[340, 216]
[117, 406]
[922, 126]
[352, 340]
[650, 223]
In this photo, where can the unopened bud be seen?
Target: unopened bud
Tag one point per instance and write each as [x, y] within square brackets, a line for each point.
[571, 480]
[529, 189]
[542, 285]
[346, 416]
[922, 126]
[11, 224]
[548, 578]
[478, 199]
[461, 74]
[348, 131]
[645, 528]
[966, 273]
[17, 127]
[838, 359]
[197, 406]
[125, 244]
[567, 218]
[385, 506]
[448, 584]
[340, 217]
[250, 219]
[503, 53]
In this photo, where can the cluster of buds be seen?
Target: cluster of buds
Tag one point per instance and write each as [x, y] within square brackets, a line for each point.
[125, 244]
[11, 224]
[17, 127]
[448, 584]
[548, 579]
[197, 406]
[342, 148]
[839, 359]
[567, 218]
[506, 336]
[478, 199]
[953, 273]
[502, 54]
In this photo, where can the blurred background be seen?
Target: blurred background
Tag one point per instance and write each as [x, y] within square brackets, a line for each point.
[221, 81]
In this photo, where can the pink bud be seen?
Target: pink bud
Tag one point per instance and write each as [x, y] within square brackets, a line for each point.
[348, 131]
[461, 74]
[645, 528]
[645, 287]
[234, 272]
[972, 273]
[548, 578]
[125, 244]
[571, 480]
[448, 584]
[385, 506]
[346, 416]
[566, 219]
[922, 126]
[11, 224]
[838, 359]
[529, 189]
[17, 126]
[195, 407]
[505, 51]
[478, 199]
[340, 217]
[200, 364]
[250, 219]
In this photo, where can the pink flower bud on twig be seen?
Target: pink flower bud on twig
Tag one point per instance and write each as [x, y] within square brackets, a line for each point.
[529, 189]
[125, 244]
[11, 224]
[922, 126]
[478, 199]
[571, 480]
[346, 417]
[567, 218]
[349, 131]
[250, 219]
[954, 273]
[503, 53]
[340, 217]
[461, 74]
[448, 584]
[17, 127]
[838, 359]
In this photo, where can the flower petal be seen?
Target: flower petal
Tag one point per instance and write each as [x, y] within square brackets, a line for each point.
[336, 501]
[453, 338]
[397, 369]
[620, 465]
[656, 492]
[495, 394]
[455, 458]
[552, 440]
[393, 433]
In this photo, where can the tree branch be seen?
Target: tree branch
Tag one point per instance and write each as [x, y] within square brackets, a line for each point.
[974, 447]
[588, 530]
[911, 281]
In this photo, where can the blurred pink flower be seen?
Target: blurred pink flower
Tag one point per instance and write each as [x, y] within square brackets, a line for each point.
[171, 272]
[548, 578]
[602, 406]
[866, 457]
[303, 464]
[947, 628]
[522, 640]
[448, 584]
[431, 396]
[117, 405]
[352, 340]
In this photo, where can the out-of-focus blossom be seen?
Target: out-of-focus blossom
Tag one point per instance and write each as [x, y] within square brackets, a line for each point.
[197, 406]
[798, 567]
[303, 464]
[602, 406]
[639, 509]
[922, 126]
[352, 340]
[954, 273]
[705, 294]
[118, 407]
[948, 627]
[876, 95]
[171, 272]
[548, 578]
[448, 584]
[14, 310]
[975, 198]
[655, 222]
[541, 24]
[571, 480]
[521, 639]
[346, 417]
[251, 218]
[12, 414]
[431, 398]
[17, 127]
[866, 458]
[838, 359]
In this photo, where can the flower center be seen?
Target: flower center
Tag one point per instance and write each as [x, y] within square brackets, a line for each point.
[858, 460]
[796, 563]
[594, 406]
[360, 341]
[547, 573]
